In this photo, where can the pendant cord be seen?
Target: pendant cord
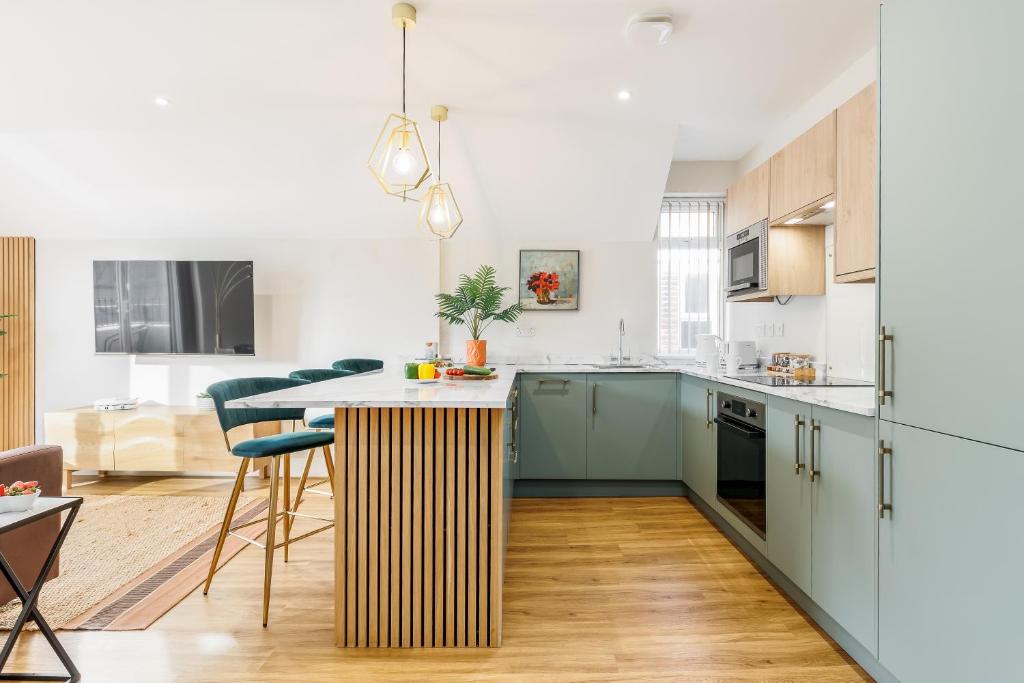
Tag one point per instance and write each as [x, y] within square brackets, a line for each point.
[438, 151]
[403, 69]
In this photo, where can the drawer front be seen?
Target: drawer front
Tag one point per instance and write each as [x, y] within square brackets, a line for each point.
[149, 442]
[86, 437]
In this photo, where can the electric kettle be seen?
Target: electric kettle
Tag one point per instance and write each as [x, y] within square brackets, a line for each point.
[708, 350]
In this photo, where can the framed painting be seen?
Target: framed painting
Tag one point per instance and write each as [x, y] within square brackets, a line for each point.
[549, 279]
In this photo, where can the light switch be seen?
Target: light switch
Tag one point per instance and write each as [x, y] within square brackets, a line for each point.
[780, 329]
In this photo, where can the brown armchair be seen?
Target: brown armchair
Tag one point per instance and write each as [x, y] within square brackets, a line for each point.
[26, 548]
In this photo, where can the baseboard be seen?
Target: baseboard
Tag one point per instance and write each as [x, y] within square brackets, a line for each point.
[851, 645]
[574, 488]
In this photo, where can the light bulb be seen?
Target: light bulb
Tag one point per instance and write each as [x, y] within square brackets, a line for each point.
[438, 211]
[404, 162]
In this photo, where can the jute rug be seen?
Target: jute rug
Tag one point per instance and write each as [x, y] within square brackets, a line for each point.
[129, 559]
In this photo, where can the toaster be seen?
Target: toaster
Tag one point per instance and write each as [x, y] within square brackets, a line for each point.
[747, 350]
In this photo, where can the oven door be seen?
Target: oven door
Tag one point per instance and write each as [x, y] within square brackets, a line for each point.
[741, 471]
[744, 265]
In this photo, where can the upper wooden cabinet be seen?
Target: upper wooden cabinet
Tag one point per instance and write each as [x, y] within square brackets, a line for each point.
[803, 173]
[747, 199]
[856, 181]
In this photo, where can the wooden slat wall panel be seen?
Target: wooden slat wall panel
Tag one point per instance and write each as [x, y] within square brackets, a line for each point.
[18, 347]
[384, 598]
[419, 503]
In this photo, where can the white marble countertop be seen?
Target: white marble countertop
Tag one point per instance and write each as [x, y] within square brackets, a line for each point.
[389, 389]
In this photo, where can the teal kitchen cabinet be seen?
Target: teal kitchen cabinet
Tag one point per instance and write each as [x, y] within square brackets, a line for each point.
[934, 272]
[553, 426]
[841, 454]
[821, 530]
[696, 415]
[632, 433]
[950, 558]
[789, 490]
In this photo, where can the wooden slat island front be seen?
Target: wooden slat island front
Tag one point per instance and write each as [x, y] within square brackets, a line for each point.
[418, 527]
[419, 507]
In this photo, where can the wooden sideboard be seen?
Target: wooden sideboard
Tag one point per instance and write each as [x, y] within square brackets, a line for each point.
[149, 439]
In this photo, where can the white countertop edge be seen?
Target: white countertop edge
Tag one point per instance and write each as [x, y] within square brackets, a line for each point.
[390, 391]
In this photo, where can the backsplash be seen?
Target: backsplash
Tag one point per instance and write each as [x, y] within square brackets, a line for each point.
[837, 328]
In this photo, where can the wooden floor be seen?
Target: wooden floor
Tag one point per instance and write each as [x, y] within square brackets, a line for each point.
[634, 589]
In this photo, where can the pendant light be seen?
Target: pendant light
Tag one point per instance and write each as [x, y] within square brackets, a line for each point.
[399, 160]
[440, 214]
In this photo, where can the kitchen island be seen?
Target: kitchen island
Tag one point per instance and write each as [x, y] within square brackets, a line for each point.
[422, 495]
[420, 506]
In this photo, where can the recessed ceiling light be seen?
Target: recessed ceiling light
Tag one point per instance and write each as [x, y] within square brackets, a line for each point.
[624, 95]
[161, 102]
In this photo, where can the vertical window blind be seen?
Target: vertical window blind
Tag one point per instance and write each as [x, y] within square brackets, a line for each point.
[690, 300]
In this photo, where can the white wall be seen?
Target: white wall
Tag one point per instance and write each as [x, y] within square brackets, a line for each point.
[847, 84]
[701, 177]
[316, 301]
[838, 327]
[617, 280]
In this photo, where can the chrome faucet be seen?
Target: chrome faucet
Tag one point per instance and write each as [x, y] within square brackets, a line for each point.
[622, 334]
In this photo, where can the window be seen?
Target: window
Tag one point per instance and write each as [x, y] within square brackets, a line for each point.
[690, 298]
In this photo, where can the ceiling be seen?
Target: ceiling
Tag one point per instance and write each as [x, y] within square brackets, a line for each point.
[276, 103]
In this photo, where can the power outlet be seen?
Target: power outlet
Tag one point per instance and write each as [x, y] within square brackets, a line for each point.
[780, 329]
[526, 331]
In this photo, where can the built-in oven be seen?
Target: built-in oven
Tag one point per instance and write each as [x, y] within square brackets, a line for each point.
[747, 260]
[741, 459]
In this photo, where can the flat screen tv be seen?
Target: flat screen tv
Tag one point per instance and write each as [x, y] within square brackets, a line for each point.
[174, 307]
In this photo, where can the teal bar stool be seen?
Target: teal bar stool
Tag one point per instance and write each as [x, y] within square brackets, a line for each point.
[318, 422]
[278, 447]
[321, 375]
[358, 365]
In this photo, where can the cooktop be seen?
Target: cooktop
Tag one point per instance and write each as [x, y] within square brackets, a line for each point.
[782, 381]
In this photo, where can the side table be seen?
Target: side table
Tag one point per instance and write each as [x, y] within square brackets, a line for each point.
[43, 507]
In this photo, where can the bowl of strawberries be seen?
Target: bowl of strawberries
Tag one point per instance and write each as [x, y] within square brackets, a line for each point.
[19, 496]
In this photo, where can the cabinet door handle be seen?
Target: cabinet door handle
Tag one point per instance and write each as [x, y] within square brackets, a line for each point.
[798, 422]
[882, 505]
[593, 400]
[707, 403]
[883, 393]
[811, 471]
[540, 382]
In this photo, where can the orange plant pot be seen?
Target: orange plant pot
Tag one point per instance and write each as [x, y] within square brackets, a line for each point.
[476, 352]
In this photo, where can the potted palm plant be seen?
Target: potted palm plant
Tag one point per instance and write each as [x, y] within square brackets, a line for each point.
[476, 303]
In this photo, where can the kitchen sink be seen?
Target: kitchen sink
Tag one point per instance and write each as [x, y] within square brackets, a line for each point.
[612, 366]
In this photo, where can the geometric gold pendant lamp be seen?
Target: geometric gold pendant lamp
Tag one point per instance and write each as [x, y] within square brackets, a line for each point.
[440, 214]
[399, 160]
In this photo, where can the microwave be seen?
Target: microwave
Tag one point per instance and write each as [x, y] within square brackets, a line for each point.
[747, 260]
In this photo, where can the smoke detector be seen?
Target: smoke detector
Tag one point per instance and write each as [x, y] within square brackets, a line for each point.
[652, 28]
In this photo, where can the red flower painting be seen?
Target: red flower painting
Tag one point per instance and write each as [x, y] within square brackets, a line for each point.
[543, 285]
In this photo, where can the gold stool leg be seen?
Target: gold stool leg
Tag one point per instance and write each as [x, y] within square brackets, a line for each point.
[228, 516]
[287, 501]
[268, 563]
[302, 486]
[329, 463]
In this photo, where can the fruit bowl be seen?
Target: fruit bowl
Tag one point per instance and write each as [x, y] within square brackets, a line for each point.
[20, 503]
